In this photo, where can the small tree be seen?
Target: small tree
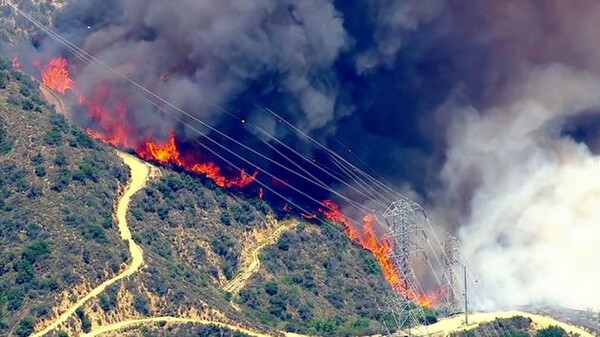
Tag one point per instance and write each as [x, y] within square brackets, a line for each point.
[271, 288]
[141, 303]
[25, 327]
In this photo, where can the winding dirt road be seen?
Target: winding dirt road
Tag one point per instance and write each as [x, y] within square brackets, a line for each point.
[456, 323]
[139, 174]
[254, 265]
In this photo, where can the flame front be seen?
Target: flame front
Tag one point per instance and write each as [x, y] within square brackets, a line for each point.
[381, 249]
[112, 125]
[55, 75]
[169, 153]
[16, 64]
[333, 213]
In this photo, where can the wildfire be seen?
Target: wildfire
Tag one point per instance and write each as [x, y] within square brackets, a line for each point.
[308, 216]
[169, 153]
[16, 64]
[381, 250]
[333, 213]
[112, 126]
[55, 75]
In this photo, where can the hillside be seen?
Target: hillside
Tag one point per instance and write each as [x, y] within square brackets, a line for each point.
[60, 240]
[16, 28]
[58, 188]
[196, 233]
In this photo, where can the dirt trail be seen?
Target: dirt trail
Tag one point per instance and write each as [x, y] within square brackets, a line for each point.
[140, 172]
[253, 265]
[456, 323]
[53, 98]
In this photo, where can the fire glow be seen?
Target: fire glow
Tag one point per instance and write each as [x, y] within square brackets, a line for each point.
[55, 75]
[16, 64]
[380, 248]
[113, 128]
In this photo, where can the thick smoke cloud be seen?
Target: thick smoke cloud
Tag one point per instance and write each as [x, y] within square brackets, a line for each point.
[522, 176]
[213, 51]
[487, 109]
[531, 228]
[393, 21]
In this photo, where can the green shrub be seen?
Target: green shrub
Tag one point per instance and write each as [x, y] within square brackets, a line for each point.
[141, 303]
[82, 139]
[552, 331]
[107, 302]
[94, 232]
[36, 251]
[61, 158]
[243, 214]
[86, 324]
[40, 171]
[53, 137]
[24, 327]
[224, 217]
[38, 159]
[27, 105]
[271, 288]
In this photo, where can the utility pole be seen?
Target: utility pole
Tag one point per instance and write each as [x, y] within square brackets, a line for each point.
[466, 298]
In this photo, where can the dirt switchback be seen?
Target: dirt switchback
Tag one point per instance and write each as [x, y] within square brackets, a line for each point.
[140, 171]
[251, 259]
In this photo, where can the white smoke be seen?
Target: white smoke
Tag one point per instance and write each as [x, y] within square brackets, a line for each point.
[531, 232]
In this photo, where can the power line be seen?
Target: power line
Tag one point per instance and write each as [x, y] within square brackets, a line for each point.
[365, 180]
[90, 58]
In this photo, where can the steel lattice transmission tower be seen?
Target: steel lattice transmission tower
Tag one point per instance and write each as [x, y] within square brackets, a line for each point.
[450, 259]
[405, 220]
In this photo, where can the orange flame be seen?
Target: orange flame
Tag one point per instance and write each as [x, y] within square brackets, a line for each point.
[334, 213]
[113, 128]
[308, 216]
[16, 64]
[55, 75]
[168, 153]
[261, 193]
[381, 250]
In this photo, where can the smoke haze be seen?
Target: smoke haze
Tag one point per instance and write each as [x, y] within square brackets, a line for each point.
[531, 222]
[488, 110]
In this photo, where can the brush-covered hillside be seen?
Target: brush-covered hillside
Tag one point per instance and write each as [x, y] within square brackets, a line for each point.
[198, 238]
[210, 255]
[57, 191]
[15, 28]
